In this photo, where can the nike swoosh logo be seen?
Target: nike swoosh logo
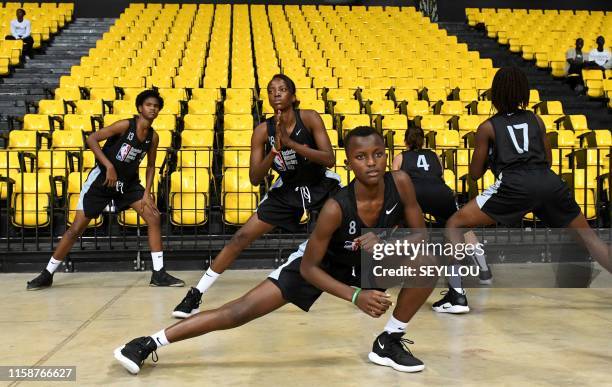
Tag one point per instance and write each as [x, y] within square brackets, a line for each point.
[391, 210]
[298, 132]
[146, 142]
[157, 338]
[446, 307]
[380, 345]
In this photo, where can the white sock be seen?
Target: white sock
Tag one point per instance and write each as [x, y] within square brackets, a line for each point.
[207, 280]
[394, 325]
[160, 338]
[481, 260]
[53, 265]
[158, 260]
[454, 281]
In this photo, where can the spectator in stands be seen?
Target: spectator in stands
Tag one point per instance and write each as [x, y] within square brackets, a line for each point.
[573, 68]
[20, 30]
[599, 57]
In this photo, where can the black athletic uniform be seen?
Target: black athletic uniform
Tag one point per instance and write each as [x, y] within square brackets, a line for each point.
[433, 195]
[125, 152]
[302, 185]
[525, 181]
[343, 257]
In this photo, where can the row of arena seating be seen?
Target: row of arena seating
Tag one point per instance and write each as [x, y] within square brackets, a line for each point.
[545, 36]
[353, 67]
[47, 19]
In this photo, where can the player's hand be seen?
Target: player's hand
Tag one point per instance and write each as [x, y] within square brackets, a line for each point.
[373, 302]
[111, 177]
[367, 241]
[148, 200]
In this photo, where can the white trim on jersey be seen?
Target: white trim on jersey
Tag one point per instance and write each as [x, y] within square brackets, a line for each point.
[299, 253]
[93, 175]
[489, 192]
[333, 175]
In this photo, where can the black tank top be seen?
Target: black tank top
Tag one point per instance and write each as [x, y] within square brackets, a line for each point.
[518, 142]
[293, 169]
[126, 152]
[422, 164]
[342, 250]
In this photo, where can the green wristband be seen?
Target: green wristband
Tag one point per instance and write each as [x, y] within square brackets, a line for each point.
[355, 295]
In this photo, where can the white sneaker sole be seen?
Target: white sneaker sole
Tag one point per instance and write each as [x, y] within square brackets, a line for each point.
[181, 315]
[177, 285]
[125, 362]
[385, 361]
[486, 282]
[453, 309]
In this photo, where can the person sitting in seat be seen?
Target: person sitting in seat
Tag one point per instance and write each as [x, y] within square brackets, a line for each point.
[20, 30]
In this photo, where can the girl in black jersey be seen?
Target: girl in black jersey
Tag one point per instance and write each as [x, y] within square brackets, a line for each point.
[437, 199]
[326, 260]
[115, 178]
[295, 144]
[514, 144]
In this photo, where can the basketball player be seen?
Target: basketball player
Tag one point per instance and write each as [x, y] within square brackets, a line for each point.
[326, 263]
[514, 144]
[115, 178]
[295, 144]
[437, 199]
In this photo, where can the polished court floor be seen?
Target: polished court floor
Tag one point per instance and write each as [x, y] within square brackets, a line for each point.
[514, 337]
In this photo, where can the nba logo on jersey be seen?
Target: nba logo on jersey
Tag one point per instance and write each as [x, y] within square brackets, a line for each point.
[280, 163]
[123, 151]
[351, 246]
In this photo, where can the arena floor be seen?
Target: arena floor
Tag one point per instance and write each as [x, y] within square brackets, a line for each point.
[552, 337]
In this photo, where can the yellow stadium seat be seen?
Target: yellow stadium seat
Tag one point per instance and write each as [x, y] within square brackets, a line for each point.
[31, 200]
[238, 122]
[75, 184]
[189, 197]
[202, 106]
[197, 138]
[418, 108]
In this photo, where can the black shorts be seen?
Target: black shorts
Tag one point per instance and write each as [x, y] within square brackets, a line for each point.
[95, 196]
[297, 290]
[435, 198]
[283, 206]
[519, 191]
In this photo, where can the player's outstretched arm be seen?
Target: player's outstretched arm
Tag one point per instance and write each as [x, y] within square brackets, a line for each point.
[484, 135]
[372, 302]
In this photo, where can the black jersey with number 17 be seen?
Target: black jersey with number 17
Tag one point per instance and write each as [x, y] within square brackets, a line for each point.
[518, 142]
[342, 249]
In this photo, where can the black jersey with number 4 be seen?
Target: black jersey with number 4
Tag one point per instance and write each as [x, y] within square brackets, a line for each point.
[518, 142]
[342, 249]
[421, 164]
[294, 169]
[125, 152]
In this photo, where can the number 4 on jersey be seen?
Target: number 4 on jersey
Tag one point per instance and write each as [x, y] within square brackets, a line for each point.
[422, 162]
[524, 127]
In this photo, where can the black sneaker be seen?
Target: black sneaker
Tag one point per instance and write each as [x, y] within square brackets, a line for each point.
[44, 280]
[452, 302]
[486, 276]
[391, 350]
[162, 278]
[133, 354]
[189, 305]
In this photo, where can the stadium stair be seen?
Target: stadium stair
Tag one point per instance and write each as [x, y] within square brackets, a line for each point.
[43, 71]
[550, 88]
